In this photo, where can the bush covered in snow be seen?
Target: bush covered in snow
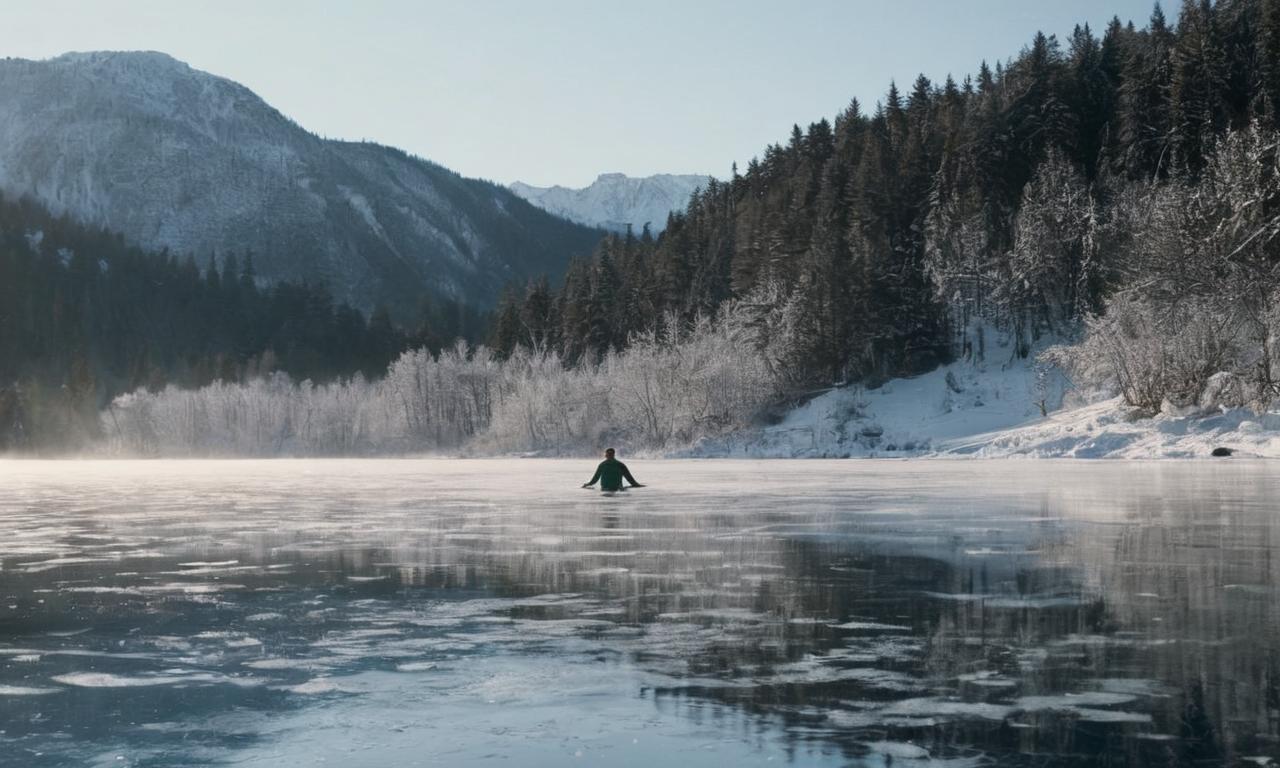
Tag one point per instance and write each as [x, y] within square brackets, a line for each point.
[1201, 294]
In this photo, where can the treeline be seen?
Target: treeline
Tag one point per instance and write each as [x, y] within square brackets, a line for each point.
[83, 317]
[669, 390]
[884, 243]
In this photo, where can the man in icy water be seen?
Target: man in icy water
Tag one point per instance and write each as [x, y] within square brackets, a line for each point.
[610, 473]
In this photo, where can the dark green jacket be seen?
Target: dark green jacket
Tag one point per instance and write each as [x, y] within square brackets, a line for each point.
[610, 474]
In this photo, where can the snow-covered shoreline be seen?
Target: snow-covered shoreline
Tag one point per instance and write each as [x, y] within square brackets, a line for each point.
[992, 411]
[1108, 430]
[1005, 407]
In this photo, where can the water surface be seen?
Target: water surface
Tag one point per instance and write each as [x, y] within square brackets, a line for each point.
[386, 613]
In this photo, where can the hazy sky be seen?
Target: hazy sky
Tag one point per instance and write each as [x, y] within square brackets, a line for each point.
[558, 91]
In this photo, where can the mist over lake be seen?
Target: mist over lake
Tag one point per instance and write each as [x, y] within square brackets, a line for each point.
[172, 613]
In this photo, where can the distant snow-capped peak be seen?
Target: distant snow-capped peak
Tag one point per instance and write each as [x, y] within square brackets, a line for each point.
[615, 200]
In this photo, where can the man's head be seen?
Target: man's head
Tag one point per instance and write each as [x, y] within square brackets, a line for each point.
[608, 453]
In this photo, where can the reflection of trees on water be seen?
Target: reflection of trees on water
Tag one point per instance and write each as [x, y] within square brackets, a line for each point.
[1160, 622]
[1196, 586]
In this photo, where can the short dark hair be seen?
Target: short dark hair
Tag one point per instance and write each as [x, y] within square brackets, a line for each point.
[609, 450]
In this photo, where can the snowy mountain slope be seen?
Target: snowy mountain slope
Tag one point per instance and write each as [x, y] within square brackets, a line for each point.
[176, 158]
[615, 200]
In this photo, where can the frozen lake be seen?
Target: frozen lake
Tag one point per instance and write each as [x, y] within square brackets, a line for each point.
[406, 613]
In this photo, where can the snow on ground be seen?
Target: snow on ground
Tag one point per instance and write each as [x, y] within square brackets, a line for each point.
[991, 410]
[1109, 430]
[907, 417]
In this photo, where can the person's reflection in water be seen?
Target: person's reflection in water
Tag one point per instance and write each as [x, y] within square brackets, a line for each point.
[609, 522]
[1199, 745]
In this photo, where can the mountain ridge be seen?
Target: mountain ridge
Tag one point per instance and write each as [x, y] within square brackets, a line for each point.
[180, 159]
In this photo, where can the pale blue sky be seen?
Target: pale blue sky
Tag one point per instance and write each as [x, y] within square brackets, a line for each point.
[558, 91]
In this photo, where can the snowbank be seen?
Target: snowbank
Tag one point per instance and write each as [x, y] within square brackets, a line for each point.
[1109, 430]
[904, 417]
[991, 411]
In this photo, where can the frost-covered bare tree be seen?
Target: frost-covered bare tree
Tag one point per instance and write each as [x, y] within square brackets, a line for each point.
[1154, 354]
[667, 389]
[1238, 204]
[1200, 265]
[442, 400]
[262, 417]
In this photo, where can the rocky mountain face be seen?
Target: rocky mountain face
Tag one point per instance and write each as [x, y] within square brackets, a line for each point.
[615, 200]
[175, 158]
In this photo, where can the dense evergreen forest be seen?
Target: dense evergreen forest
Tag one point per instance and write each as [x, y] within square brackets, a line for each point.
[888, 242]
[83, 317]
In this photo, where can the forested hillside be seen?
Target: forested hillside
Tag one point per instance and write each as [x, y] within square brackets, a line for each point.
[84, 317]
[1139, 163]
[179, 159]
